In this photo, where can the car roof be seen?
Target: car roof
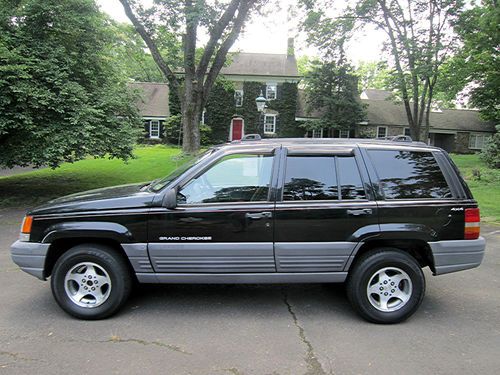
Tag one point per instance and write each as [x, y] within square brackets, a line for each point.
[327, 143]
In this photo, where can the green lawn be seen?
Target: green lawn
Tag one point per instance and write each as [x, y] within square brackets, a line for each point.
[36, 187]
[151, 162]
[484, 183]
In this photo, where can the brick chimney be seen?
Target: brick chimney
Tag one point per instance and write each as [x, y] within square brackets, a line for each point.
[290, 51]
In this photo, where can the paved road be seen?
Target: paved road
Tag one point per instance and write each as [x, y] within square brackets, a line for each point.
[16, 170]
[299, 329]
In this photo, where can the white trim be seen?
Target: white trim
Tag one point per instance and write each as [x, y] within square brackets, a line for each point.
[235, 103]
[151, 129]
[242, 128]
[261, 78]
[153, 118]
[202, 121]
[320, 133]
[485, 138]
[274, 124]
[381, 127]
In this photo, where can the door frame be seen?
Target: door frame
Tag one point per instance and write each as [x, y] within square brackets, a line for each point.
[242, 127]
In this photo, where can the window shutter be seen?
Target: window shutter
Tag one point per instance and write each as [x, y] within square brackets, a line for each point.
[263, 90]
[146, 128]
[260, 130]
[162, 129]
[277, 129]
[279, 91]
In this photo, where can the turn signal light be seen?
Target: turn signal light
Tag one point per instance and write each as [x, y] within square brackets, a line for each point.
[472, 224]
[26, 227]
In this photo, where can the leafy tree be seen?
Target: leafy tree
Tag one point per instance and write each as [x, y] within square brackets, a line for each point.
[184, 21]
[332, 90]
[474, 71]
[373, 75]
[61, 98]
[491, 152]
[420, 37]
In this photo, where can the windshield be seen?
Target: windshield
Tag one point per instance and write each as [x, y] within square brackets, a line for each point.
[157, 185]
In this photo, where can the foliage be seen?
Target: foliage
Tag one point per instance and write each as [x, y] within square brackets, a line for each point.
[172, 129]
[420, 37]
[173, 22]
[491, 152]
[220, 110]
[332, 90]
[61, 97]
[474, 71]
[373, 75]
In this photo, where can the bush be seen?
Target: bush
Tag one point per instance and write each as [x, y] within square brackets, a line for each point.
[491, 152]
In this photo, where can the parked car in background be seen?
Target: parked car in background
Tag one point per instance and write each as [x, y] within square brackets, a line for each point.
[369, 213]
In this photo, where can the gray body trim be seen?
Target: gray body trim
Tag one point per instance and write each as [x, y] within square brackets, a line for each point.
[452, 256]
[137, 253]
[241, 278]
[30, 257]
[312, 256]
[212, 257]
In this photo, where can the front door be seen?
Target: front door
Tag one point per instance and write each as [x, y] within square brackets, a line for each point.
[223, 222]
[324, 205]
[236, 129]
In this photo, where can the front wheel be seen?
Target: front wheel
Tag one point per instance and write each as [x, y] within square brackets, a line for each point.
[91, 281]
[386, 286]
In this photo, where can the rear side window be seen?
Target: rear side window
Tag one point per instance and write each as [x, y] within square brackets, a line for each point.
[409, 174]
[322, 178]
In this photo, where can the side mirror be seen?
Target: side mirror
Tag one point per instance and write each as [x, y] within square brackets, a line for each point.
[170, 199]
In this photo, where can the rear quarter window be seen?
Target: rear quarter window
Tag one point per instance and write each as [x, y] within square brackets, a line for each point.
[409, 175]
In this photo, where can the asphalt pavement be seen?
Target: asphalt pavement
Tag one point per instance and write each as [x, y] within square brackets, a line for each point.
[251, 329]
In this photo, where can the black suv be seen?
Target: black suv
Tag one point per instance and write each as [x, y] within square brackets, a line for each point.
[370, 213]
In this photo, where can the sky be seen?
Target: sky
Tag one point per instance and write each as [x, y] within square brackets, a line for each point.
[270, 34]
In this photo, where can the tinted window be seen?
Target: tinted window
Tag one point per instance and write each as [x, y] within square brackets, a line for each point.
[351, 186]
[235, 178]
[405, 174]
[310, 178]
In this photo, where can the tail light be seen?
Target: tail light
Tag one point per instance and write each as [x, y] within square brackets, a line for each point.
[472, 222]
[26, 228]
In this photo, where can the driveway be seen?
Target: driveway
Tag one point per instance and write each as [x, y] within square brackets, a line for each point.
[253, 329]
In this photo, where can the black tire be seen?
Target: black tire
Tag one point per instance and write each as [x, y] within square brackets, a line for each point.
[105, 258]
[385, 262]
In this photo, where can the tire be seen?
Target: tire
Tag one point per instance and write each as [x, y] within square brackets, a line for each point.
[386, 286]
[91, 281]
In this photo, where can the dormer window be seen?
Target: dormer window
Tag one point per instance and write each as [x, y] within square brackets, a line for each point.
[271, 90]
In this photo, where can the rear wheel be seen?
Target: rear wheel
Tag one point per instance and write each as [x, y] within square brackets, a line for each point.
[386, 286]
[91, 281]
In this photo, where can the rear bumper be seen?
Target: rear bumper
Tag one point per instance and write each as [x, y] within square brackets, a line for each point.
[30, 257]
[452, 256]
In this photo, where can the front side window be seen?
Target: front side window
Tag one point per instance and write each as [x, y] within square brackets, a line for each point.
[409, 174]
[154, 129]
[269, 124]
[238, 98]
[234, 178]
[477, 141]
[381, 131]
[271, 91]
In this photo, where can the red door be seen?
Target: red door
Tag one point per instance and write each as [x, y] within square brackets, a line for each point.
[237, 129]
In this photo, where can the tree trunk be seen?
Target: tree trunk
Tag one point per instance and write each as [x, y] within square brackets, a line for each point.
[190, 130]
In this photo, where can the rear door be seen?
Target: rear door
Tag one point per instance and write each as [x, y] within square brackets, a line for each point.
[223, 222]
[325, 206]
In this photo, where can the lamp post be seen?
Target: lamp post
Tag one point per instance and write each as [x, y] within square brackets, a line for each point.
[260, 101]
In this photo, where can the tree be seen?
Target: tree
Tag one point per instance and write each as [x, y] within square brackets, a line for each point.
[185, 20]
[332, 89]
[474, 71]
[373, 75]
[420, 37]
[61, 98]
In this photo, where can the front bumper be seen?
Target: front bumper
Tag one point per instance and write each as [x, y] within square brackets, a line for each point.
[452, 256]
[30, 257]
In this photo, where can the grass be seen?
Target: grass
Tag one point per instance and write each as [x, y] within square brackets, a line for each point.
[484, 183]
[32, 188]
[151, 162]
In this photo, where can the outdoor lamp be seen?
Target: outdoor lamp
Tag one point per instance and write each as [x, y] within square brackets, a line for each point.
[261, 102]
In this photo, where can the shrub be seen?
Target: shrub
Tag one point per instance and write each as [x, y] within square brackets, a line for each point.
[491, 152]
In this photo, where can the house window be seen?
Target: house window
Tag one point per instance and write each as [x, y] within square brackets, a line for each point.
[271, 91]
[317, 133]
[344, 133]
[154, 129]
[238, 98]
[477, 141]
[406, 131]
[381, 131]
[269, 124]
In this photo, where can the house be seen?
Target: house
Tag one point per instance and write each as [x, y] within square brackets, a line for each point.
[454, 130]
[153, 106]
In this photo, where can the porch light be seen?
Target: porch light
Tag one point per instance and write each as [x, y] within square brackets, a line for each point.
[261, 102]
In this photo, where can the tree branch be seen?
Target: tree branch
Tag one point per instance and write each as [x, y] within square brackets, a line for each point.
[141, 30]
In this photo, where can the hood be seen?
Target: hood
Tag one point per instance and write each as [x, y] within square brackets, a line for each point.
[116, 197]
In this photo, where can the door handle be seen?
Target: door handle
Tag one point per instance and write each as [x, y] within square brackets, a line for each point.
[364, 211]
[259, 215]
